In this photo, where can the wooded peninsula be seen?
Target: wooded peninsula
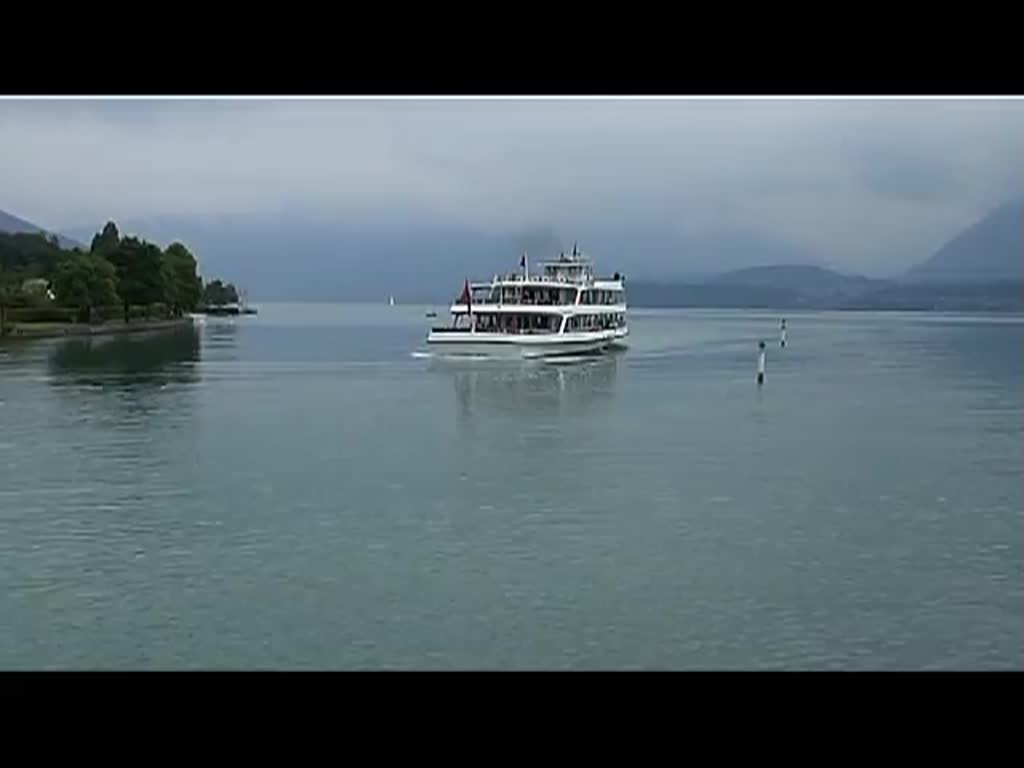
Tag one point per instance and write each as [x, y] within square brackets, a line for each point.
[119, 280]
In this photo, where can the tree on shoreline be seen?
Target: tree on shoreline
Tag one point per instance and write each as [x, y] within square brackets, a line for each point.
[106, 241]
[141, 278]
[85, 281]
[10, 281]
[143, 275]
[183, 285]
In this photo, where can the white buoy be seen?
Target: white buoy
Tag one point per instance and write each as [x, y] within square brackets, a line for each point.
[761, 363]
[782, 341]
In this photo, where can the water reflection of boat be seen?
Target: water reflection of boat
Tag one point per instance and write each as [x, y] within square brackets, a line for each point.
[540, 387]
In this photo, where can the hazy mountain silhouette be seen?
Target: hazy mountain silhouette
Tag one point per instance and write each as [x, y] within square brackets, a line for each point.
[980, 269]
[299, 257]
[991, 249]
[14, 225]
[809, 281]
[786, 285]
[307, 257]
[802, 287]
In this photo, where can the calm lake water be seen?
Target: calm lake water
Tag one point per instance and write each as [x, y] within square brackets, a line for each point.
[298, 490]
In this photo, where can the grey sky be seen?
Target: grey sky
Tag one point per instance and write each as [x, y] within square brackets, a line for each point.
[863, 185]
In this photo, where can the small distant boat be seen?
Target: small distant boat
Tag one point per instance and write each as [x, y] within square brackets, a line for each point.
[222, 310]
[391, 301]
[431, 314]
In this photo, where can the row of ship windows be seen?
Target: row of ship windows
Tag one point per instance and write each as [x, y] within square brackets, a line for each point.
[598, 296]
[518, 324]
[546, 323]
[550, 296]
[601, 322]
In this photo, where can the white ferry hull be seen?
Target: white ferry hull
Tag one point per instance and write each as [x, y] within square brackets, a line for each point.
[562, 311]
[514, 346]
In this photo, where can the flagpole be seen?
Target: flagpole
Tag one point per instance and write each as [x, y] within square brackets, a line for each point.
[467, 294]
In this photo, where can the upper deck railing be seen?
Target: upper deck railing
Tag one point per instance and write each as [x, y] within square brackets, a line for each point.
[516, 301]
[557, 283]
[562, 280]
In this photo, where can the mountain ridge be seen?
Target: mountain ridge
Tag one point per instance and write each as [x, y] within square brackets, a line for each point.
[16, 225]
[990, 249]
[311, 258]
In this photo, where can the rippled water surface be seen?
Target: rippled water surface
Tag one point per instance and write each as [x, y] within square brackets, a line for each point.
[300, 490]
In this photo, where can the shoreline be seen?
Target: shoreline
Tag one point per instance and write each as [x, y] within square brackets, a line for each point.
[105, 329]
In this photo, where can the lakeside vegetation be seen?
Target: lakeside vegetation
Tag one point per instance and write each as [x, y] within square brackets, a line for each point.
[118, 280]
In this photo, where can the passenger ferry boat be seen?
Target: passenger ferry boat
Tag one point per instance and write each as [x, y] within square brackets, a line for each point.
[563, 310]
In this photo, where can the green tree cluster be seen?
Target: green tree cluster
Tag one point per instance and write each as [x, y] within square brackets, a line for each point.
[217, 294]
[86, 281]
[9, 282]
[115, 271]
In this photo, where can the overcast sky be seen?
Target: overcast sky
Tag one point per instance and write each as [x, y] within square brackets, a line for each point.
[864, 185]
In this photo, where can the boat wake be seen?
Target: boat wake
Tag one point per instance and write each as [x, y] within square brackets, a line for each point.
[569, 359]
[469, 358]
[455, 357]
